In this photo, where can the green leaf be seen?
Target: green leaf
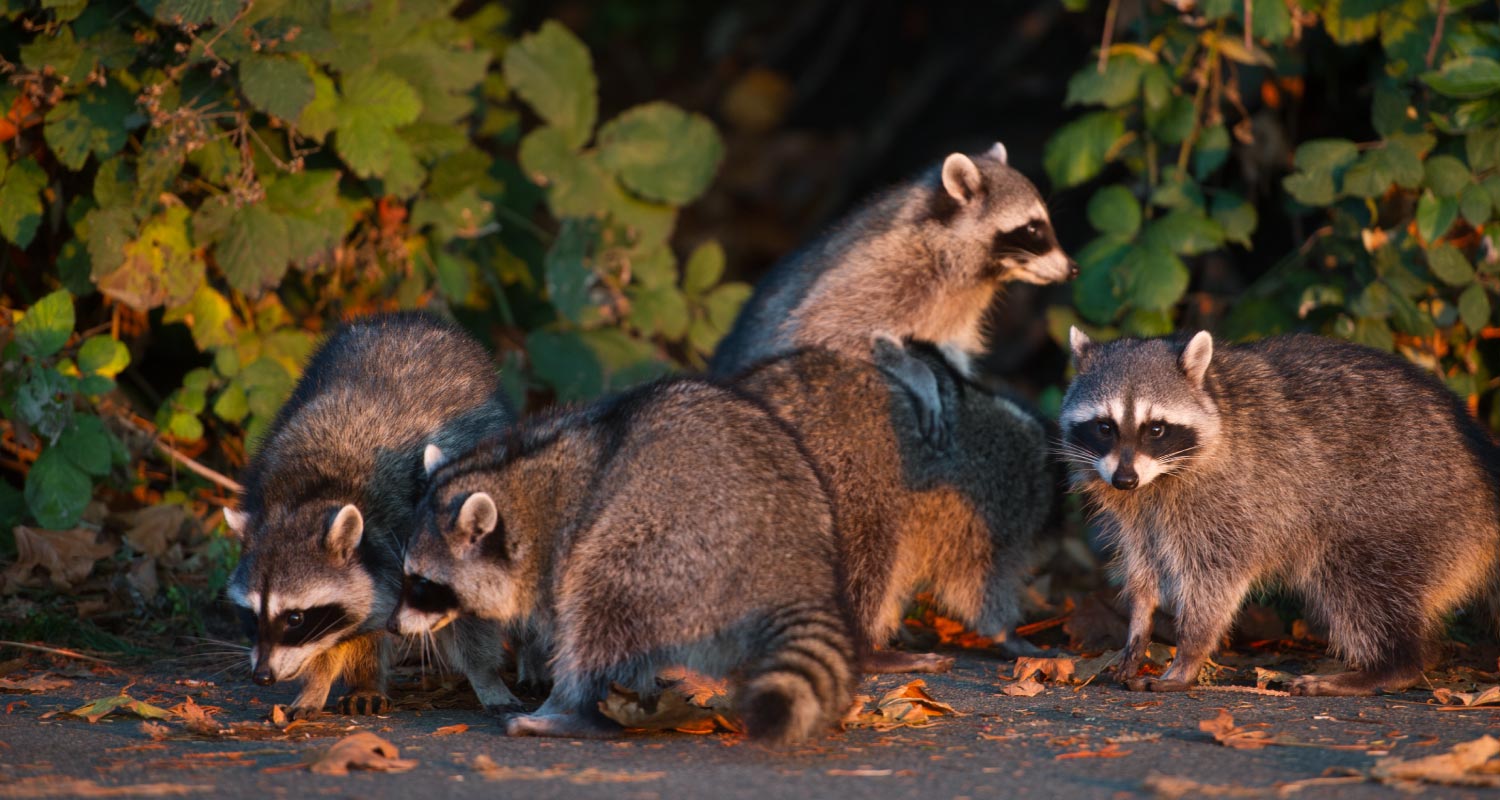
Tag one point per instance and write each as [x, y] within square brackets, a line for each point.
[1158, 279]
[1474, 204]
[1114, 210]
[45, 402]
[197, 12]
[103, 355]
[1185, 232]
[1077, 152]
[373, 104]
[1236, 216]
[1173, 123]
[47, 325]
[1325, 154]
[277, 85]
[576, 186]
[661, 309]
[21, 202]
[1466, 77]
[253, 251]
[1408, 317]
[1212, 151]
[1474, 308]
[661, 152]
[1447, 176]
[1402, 158]
[1097, 292]
[321, 114]
[208, 316]
[1117, 85]
[231, 405]
[705, 267]
[98, 122]
[570, 278]
[1449, 265]
[160, 266]
[723, 304]
[57, 491]
[1435, 216]
[1352, 21]
[87, 445]
[552, 71]
[1370, 177]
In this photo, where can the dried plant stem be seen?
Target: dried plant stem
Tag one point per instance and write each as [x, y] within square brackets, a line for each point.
[56, 651]
[193, 466]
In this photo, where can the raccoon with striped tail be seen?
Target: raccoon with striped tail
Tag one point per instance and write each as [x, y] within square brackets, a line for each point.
[923, 260]
[937, 485]
[1345, 475]
[327, 506]
[676, 524]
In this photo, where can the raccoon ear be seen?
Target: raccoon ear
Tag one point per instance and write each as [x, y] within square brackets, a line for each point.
[1080, 343]
[432, 458]
[998, 152]
[236, 520]
[345, 532]
[1196, 355]
[961, 178]
[478, 516]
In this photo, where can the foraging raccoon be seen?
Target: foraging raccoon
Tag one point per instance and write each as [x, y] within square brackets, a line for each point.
[678, 523]
[328, 502]
[936, 484]
[1344, 474]
[922, 260]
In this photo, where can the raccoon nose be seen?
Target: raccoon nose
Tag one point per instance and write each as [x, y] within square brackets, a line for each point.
[393, 624]
[263, 676]
[1123, 481]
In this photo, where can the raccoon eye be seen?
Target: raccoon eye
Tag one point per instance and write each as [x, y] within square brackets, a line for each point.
[294, 619]
[1156, 429]
[1106, 428]
[1034, 229]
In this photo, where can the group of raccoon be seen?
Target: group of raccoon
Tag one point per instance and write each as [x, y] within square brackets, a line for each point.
[770, 521]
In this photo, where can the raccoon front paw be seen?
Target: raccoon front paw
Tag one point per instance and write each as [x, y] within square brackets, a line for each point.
[563, 726]
[366, 703]
[1150, 684]
[295, 713]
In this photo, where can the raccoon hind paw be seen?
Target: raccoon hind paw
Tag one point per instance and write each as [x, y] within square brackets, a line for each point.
[364, 703]
[1150, 684]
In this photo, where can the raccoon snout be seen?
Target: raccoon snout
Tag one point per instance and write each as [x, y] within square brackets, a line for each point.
[263, 676]
[393, 622]
[1125, 476]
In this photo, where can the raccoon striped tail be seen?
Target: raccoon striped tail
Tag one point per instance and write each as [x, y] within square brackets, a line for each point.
[803, 678]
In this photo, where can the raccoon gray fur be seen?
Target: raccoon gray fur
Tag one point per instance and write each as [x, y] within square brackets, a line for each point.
[936, 484]
[678, 523]
[1345, 475]
[923, 260]
[328, 501]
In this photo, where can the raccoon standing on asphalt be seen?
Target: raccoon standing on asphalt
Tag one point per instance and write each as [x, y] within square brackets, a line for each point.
[1343, 474]
[923, 260]
[936, 485]
[678, 523]
[328, 501]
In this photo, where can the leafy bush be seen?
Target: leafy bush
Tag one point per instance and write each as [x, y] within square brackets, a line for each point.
[252, 171]
[1402, 254]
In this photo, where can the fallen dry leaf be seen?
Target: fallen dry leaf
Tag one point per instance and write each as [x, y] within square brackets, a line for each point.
[1023, 688]
[59, 786]
[908, 705]
[155, 730]
[487, 767]
[450, 730]
[1446, 697]
[197, 719]
[1056, 670]
[60, 559]
[688, 703]
[153, 530]
[122, 704]
[363, 750]
[44, 682]
[1110, 750]
[861, 773]
[1175, 787]
[1265, 677]
[1467, 764]
[1225, 732]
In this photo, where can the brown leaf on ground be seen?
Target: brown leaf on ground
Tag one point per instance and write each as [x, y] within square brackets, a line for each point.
[197, 719]
[1108, 751]
[121, 704]
[1175, 787]
[1467, 764]
[44, 682]
[1225, 732]
[363, 750]
[1265, 677]
[59, 786]
[908, 706]
[450, 730]
[1056, 670]
[487, 767]
[156, 730]
[1490, 696]
[153, 530]
[688, 703]
[1023, 688]
[59, 559]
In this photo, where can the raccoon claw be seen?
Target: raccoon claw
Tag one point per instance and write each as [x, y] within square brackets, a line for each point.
[1150, 684]
[364, 703]
[564, 726]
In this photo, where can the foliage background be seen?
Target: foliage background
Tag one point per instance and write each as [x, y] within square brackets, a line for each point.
[192, 190]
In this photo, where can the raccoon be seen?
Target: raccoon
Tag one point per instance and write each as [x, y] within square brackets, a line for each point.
[923, 260]
[327, 508]
[1343, 474]
[678, 523]
[936, 484]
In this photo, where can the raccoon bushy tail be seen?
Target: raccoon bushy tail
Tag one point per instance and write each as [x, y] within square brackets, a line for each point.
[803, 678]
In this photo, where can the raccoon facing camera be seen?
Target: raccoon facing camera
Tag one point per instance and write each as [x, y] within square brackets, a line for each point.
[1346, 475]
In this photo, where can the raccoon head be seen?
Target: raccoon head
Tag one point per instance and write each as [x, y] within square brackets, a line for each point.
[1138, 409]
[996, 218]
[461, 560]
[302, 594]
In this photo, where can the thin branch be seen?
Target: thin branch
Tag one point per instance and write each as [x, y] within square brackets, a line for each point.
[202, 471]
[1249, 21]
[1109, 33]
[56, 651]
[1437, 32]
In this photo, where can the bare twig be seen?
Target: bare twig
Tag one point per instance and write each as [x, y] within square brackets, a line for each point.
[1437, 32]
[1249, 21]
[1109, 33]
[56, 651]
[195, 467]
